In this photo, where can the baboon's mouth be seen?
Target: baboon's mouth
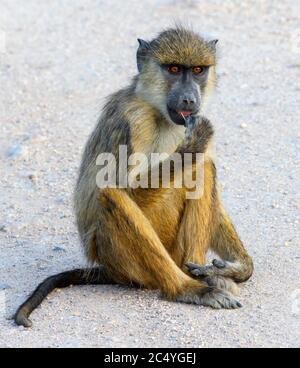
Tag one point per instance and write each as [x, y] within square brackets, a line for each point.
[178, 117]
[184, 113]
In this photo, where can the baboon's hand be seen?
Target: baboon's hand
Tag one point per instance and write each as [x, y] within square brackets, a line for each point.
[205, 271]
[211, 297]
[239, 271]
[191, 121]
[199, 131]
[217, 268]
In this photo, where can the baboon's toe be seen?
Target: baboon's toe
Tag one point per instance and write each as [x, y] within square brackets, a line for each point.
[218, 299]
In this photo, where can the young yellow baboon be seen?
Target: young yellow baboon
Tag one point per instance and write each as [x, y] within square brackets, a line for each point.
[156, 238]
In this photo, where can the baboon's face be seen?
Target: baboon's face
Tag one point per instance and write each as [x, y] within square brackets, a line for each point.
[184, 90]
[176, 72]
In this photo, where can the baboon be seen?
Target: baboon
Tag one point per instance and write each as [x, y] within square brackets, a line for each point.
[155, 237]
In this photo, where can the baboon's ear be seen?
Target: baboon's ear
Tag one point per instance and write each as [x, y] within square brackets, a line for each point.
[141, 54]
[213, 43]
[143, 44]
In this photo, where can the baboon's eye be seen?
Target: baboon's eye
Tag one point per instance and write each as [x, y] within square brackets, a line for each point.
[198, 70]
[174, 69]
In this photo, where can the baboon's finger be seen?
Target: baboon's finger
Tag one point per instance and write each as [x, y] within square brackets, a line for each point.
[219, 263]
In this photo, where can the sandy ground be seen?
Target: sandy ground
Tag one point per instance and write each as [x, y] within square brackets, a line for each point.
[61, 59]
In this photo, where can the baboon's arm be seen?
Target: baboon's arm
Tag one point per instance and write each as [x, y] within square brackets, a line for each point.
[197, 137]
[197, 223]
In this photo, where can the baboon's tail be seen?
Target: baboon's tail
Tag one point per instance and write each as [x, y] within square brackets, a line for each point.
[94, 276]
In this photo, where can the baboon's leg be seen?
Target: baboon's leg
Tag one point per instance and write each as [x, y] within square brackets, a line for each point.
[130, 248]
[236, 263]
[132, 252]
[192, 242]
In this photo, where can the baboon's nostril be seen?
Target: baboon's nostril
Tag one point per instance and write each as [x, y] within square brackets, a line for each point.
[188, 101]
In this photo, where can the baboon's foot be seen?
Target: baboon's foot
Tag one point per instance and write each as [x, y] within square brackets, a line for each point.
[210, 297]
[223, 283]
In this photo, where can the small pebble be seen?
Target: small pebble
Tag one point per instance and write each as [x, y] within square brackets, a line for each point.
[5, 287]
[33, 178]
[14, 151]
[59, 249]
[3, 229]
